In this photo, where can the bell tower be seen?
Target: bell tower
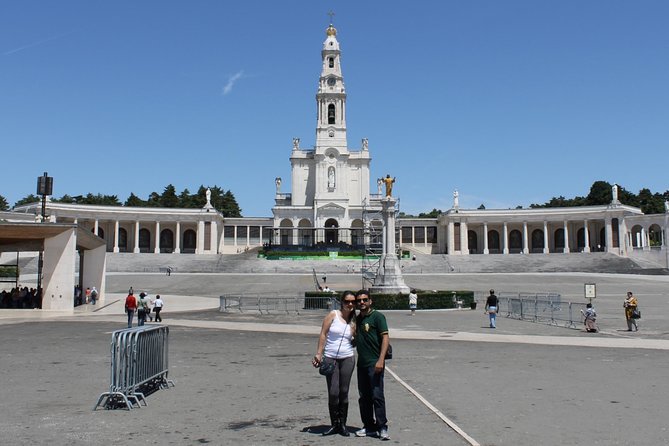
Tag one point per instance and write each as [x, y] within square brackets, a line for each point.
[331, 98]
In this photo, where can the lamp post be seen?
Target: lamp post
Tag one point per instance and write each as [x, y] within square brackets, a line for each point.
[44, 188]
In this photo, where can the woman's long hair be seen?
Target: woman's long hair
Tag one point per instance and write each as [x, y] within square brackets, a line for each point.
[351, 317]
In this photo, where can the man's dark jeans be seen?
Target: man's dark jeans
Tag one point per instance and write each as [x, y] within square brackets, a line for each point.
[372, 402]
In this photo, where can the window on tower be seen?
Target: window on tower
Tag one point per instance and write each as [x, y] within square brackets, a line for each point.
[331, 114]
[331, 62]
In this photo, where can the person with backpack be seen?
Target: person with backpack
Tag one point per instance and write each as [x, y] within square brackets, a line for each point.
[94, 295]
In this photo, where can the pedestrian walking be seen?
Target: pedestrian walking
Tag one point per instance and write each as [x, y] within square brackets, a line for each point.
[158, 307]
[413, 302]
[491, 306]
[632, 313]
[130, 308]
[590, 319]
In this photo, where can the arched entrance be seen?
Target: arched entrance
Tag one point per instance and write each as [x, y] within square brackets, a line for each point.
[537, 240]
[472, 242]
[515, 241]
[559, 238]
[166, 241]
[144, 240]
[331, 232]
[189, 241]
[122, 240]
[493, 241]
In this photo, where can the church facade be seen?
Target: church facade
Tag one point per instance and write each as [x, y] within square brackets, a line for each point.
[330, 205]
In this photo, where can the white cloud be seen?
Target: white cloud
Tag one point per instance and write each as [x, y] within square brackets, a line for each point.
[231, 82]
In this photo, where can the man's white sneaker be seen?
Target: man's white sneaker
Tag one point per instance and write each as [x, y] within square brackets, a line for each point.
[383, 434]
[364, 433]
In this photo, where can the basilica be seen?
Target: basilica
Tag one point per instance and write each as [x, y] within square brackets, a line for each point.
[333, 203]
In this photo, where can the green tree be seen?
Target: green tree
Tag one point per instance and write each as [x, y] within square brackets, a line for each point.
[229, 206]
[434, 213]
[169, 198]
[600, 194]
[185, 199]
[28, 200]
[64, 199]
[4, 206]
[134, 201]
[154, 200]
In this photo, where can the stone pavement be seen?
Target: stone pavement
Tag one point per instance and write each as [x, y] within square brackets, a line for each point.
[246, 378]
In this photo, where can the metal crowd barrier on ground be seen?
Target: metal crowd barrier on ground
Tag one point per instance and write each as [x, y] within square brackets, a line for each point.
[546, 308]
[268, 303]
[139, 366]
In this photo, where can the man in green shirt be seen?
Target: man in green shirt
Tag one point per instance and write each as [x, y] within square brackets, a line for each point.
[372, 344]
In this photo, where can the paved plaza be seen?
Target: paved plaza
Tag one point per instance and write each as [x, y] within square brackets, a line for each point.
[247, 379]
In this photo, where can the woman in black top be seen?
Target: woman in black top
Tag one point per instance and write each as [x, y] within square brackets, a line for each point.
[491, 308]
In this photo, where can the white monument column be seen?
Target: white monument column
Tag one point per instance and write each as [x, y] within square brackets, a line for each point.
[156, 247]
[451, 237]
[546, 250]
[214, 237]
[95, 227]
[136, 248]
[566, 237]
[200, 238]
[609, 234]
[485, 238]
[526, 249]
[389, 279]
[586, 236]
[506, 239]
[464, 238]
[116, 227]
[177, 239]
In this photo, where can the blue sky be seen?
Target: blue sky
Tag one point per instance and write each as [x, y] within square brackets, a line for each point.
[510, 102]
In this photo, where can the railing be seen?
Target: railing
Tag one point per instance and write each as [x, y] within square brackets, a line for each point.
[268, 303]
[546, 308]
[139, 365]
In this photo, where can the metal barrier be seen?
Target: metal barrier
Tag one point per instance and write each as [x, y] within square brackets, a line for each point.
[268, 303]
[545, 308]
[139, 365]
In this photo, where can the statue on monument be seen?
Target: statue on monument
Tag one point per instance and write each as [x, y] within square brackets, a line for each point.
[614, 192]
[208, 195]
[666, 207]
[456, 199]
[331, 177]
[365, 144]
[296, 143]
[379, 185]
[277, 182]
[389, 185]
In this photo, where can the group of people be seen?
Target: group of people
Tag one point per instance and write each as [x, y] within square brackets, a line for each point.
[21, 298]
[90, 296]
[142, 307]
[342, 334]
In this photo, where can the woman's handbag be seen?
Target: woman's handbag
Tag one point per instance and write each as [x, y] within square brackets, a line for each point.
[327, 367]
[636, 314]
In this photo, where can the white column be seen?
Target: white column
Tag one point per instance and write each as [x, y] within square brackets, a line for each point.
[234, 238]
[643, 238]
[546, 250]
[199, 247]
[95, 227]
[116, 227]
[586, 236]
[413, 236]
[214, 237]
[156, 247]
[526, 249]
[451, 237]
[566, 237]
[425, 236]
[506, 239]
[248, 235]
[485, 239]
[177, 239]
[609, 235]
[464, 238]
[136, 248]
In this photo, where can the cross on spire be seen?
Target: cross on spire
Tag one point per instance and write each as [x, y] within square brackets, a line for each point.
[331, 14]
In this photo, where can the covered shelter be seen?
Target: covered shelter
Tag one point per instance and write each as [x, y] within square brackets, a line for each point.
[60, 243]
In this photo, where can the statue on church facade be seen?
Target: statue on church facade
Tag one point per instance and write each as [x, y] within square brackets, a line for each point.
[456, 199]
[666, 207]
[331, 177]
[614, 193]
[389, 185]
[365, 144]
[379, 185]
[277, 182]
[296, 143]
[208, 195]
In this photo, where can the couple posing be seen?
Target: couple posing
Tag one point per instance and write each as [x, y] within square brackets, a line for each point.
[369, 329]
